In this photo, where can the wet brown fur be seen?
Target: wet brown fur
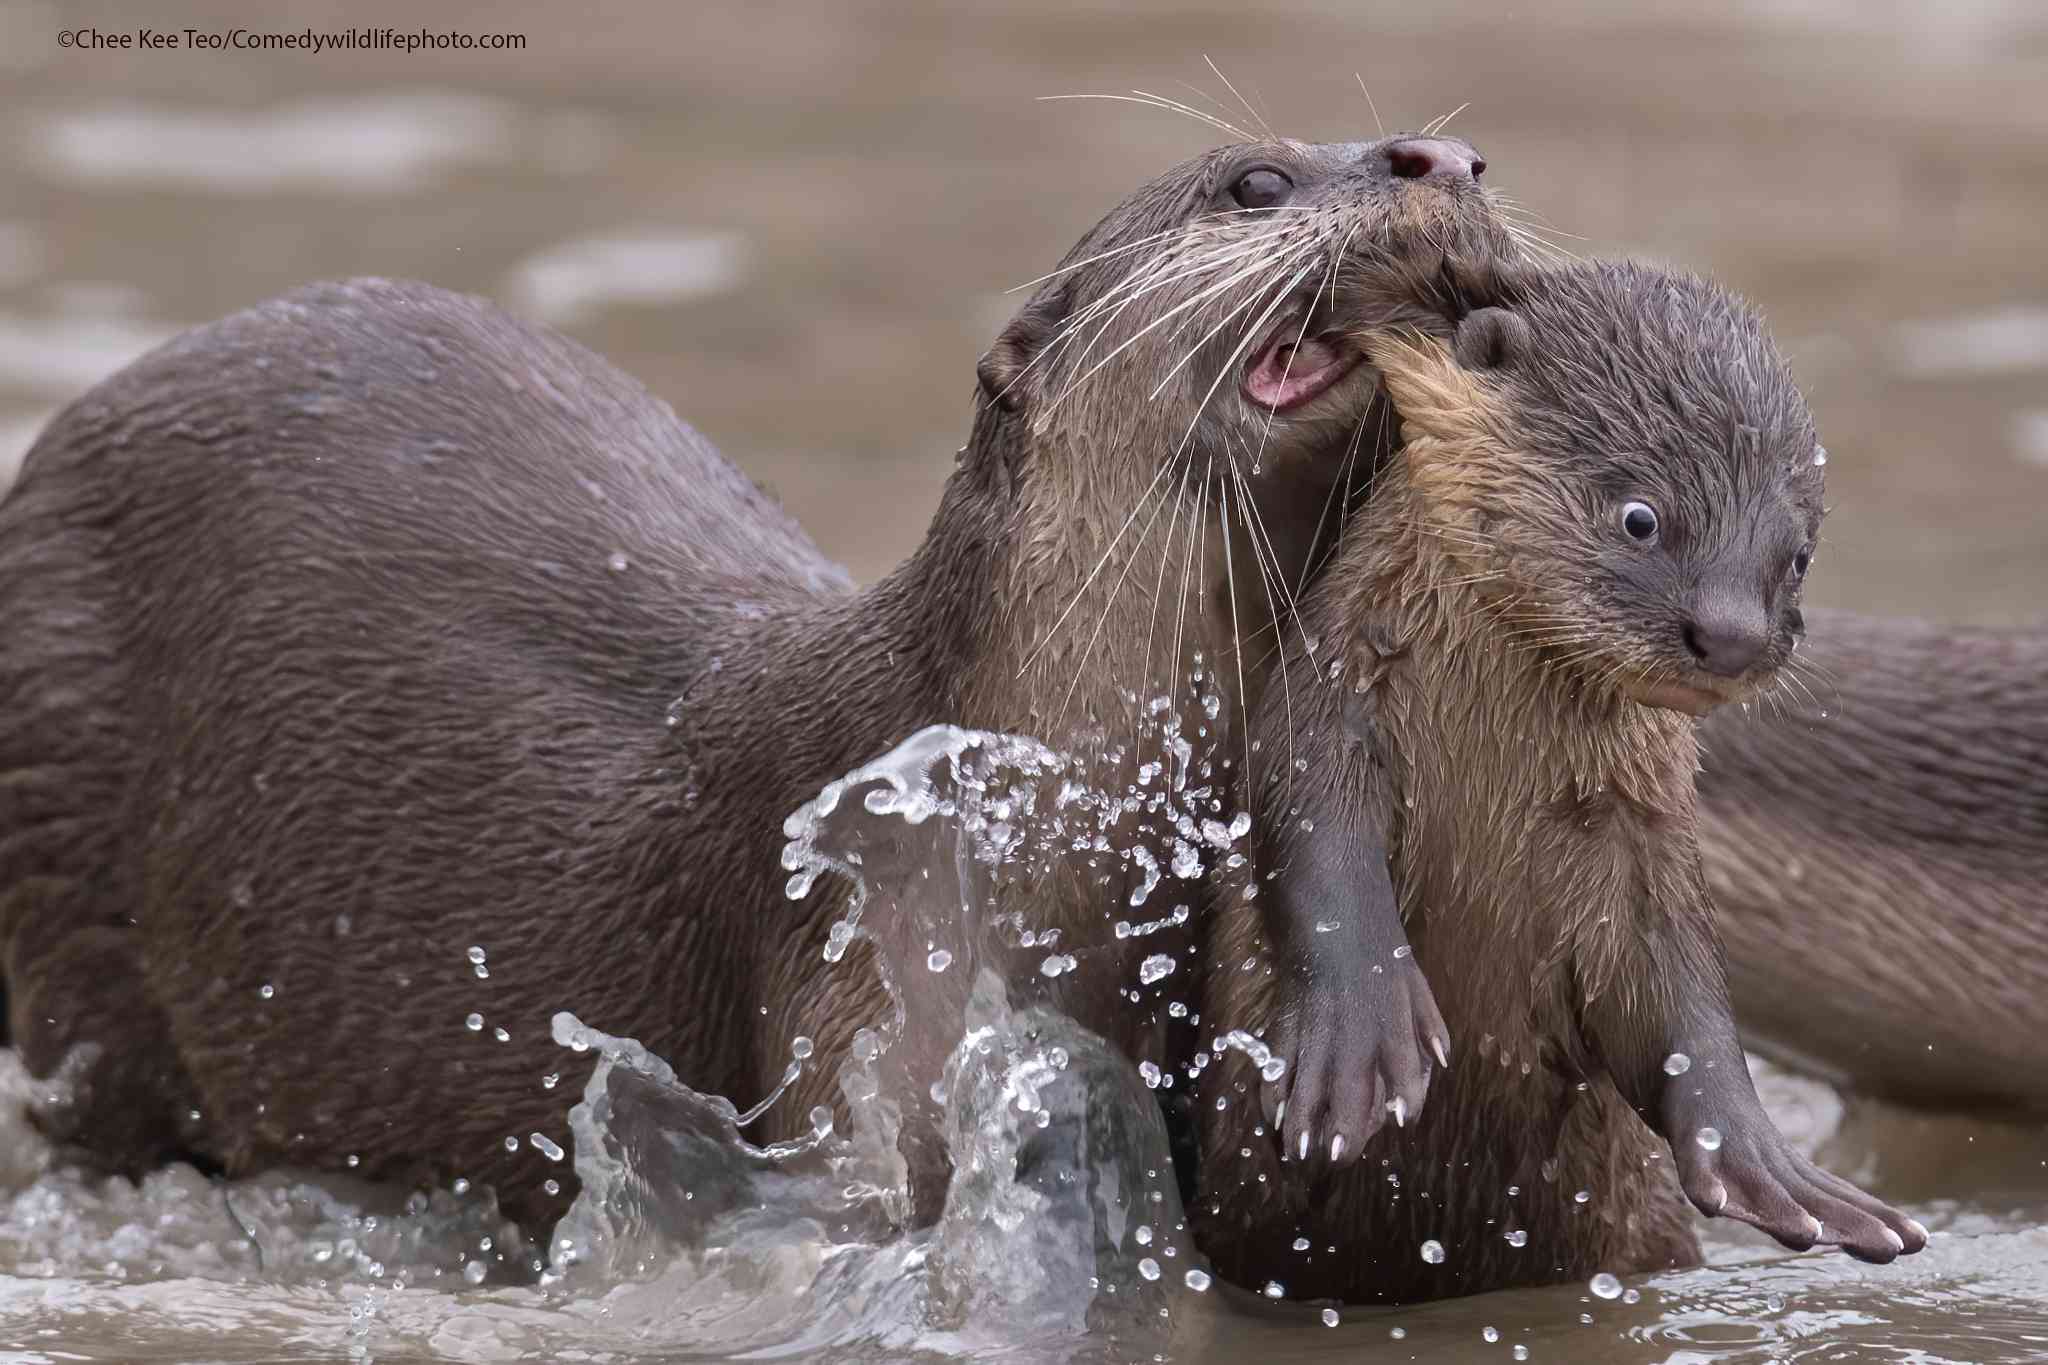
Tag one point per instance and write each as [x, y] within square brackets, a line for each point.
[1541, 839]
[317, 671]
[1507, 1113]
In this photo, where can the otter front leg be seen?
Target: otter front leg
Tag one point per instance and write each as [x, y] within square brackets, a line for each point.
[1672, 1051]
[1355, 1021]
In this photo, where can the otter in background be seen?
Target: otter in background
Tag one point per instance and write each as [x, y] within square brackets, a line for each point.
[1876, 840]
[1597, 527]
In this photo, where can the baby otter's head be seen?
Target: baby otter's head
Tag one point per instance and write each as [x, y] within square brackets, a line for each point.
[1616, 457]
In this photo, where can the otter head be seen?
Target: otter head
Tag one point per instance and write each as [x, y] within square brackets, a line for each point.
[1621, 461]
[1194, 329]
[1180, 391]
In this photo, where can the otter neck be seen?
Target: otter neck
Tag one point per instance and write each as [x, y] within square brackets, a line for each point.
[1567, 735]
[1099, 587]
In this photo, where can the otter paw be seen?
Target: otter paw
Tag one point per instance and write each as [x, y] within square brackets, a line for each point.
[1751, 1175]
[1359, 1054]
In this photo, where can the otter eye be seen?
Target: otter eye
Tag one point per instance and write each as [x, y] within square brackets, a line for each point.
[1261, 188]
[1639, 519]
[1801, 561]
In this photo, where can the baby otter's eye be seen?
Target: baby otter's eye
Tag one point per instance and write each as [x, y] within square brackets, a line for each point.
[1800, 562]
[1639, 519]
[1261, 188]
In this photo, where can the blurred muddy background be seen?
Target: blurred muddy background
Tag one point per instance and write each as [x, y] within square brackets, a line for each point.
[797, 222]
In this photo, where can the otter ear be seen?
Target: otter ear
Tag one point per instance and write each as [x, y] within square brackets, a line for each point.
[1490, 338]
[1008, 370]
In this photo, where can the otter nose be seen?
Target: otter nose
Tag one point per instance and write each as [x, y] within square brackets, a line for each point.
[1434, 158]
[1722, 638]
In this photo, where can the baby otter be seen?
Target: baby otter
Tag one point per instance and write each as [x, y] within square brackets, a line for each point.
[1597, 529]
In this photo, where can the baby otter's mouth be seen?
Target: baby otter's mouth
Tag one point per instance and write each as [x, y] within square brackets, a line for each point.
[1296, 364]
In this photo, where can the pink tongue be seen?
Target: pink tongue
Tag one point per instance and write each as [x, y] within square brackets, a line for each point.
[1287, 374]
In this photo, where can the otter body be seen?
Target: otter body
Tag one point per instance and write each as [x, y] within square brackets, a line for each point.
[1564, 562]
[370, 627]
[1876, 840]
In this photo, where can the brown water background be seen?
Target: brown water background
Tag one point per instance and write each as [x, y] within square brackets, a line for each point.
[798, 223]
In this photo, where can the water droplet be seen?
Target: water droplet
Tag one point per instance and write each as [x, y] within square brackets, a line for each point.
[551, 1080]
[800, 1047]
[1520, 1353]
[1301, 1244]
[1197, 1280]
[1630, 1296]
[1404, 951]
[266, 990]
[1149, 1071]
[1518, 1238]
[1604, 1286]
[619, 563]
[1582, 1196]
[1677, 1064]
[476, 955]
[354, 1161]
[511, 1144]
[1433, 1251]
[475, 1023]
[1709, 1139]
[1398, 1333]
[1489, 1333]
[1275, 1289]
[1330, 1318]
[1155, 968]
[475, 1271]
[1149, 1268]
[1144, 1234]
[501, 1035]
[938, 960]
[1820, 455]
[551, 1186]
[461, 1185]
[1059, 964]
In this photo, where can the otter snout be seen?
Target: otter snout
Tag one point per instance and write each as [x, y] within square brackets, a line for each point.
[1434, 158]
[1725, 635]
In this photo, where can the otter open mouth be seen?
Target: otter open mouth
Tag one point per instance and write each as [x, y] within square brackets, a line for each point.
[1296, 364]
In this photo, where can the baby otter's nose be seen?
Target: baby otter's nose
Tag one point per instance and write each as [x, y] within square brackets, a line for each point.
[1724, 640]
[1434, 158]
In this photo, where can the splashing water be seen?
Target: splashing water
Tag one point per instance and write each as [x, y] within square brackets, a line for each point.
[1059, 1235]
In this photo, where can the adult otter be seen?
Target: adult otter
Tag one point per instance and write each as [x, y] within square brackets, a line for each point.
[340, 636]
[1876, 840]
[1598, 526]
